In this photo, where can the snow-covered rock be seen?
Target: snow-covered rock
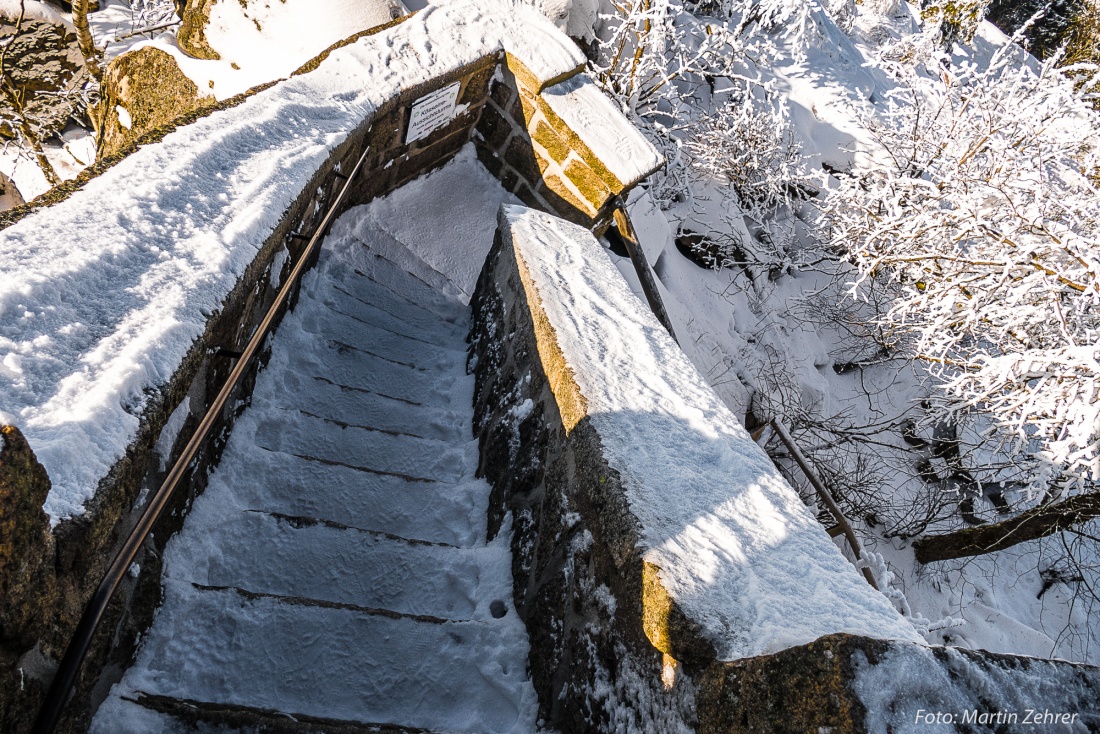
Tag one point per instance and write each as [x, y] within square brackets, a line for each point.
[44, 66]
[9, 193]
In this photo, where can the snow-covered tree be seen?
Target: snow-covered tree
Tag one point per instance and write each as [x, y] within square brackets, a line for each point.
[690, 75]
[981, 210]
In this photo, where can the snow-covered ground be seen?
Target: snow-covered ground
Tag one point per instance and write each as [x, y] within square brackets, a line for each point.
[259, 43]
[69, 155]
[337, 564]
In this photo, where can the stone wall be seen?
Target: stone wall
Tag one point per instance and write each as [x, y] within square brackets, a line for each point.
[611, 648]
[544, 161]
[581, 584]
[53, 574]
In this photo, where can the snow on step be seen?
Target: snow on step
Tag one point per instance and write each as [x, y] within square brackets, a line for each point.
[284, 484]
[299, 557]
[359, 368]
[416, 458]
[336, 566]
[331, 401]
[332, 661]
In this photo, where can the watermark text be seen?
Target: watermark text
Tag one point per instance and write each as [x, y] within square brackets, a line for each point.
[1023, 717]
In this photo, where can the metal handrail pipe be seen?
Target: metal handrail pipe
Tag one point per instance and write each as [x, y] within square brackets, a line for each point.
[94, 612]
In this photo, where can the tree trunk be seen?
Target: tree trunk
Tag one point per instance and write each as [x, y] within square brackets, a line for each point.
[84, 38]
[28, 133]
[1035, 523]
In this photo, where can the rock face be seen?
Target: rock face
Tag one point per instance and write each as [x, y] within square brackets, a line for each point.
[144, 90]
[192, 33]
[846, 683]
[28, 584]
[43, 73]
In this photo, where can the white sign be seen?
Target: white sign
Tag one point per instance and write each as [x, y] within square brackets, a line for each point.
[432, 111]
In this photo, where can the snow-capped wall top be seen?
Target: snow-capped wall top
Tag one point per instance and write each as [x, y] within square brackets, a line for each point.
[259, 44]
[603, 128]
[738, 550]
[102, 295]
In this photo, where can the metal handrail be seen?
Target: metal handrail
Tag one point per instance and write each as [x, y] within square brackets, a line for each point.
[826, 498]
[77, 650]
[641, 266]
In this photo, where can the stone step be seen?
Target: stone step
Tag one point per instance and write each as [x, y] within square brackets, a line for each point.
[282, 483]
[303, 557]
[367, 449]
[243, 649]
[378, 305]
[164, 714]
[387, 343]
[330, 401]
[442, 387]
[385, 259]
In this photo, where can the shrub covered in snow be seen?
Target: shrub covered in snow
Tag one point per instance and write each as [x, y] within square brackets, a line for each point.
[981, 211]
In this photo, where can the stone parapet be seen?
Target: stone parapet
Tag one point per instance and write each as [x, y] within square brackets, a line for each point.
[562, 147]
[700, 631]
[577, 556]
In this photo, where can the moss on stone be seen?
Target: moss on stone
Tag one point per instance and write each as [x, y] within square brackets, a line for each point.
[149, 85]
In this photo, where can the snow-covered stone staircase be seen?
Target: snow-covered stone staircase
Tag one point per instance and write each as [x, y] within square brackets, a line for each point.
[335, 575]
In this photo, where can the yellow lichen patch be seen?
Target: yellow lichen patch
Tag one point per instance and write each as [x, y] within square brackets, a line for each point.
[571, 404]
[656, 608]
[548, 139]
[557, 187]
[192, 32]
[588, 183]
[526, 78]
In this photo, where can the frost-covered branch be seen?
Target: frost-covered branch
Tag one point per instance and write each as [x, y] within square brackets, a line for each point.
[982, 213]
